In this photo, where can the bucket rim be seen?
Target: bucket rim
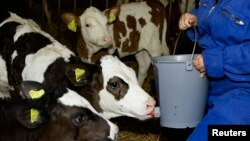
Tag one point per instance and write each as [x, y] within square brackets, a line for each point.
[174, 58]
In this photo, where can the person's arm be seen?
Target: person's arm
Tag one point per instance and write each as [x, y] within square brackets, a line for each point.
[231, 61]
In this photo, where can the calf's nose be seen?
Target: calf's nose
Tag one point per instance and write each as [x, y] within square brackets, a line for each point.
[107, 40]
[150, 104]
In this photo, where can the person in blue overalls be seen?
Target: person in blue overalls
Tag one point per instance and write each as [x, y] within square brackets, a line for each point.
[223, 33]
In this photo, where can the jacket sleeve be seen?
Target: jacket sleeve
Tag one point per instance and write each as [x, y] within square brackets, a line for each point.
[231, 61]
[226, 45]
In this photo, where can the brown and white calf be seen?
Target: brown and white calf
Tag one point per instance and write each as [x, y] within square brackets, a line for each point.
[60, 115]
[28, 53]
[119, 2]
[132, 29]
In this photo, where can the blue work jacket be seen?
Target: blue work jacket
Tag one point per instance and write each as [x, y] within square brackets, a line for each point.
[223, 32]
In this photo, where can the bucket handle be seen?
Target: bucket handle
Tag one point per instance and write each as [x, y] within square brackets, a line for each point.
[189, 64]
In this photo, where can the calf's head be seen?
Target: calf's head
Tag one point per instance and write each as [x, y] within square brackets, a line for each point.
[70, 116]
[93, 28]
[112, 88]
[122, 95]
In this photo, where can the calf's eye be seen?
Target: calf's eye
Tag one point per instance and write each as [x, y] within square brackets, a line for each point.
[114, 85]
[79, 119]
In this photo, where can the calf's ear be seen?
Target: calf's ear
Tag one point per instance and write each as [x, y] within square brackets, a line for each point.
[71, 20]
[32, 90]
[31, 117]
[77, 74]
[112, 13]
[27, 116]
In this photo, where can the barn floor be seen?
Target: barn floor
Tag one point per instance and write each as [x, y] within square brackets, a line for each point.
[134, 130]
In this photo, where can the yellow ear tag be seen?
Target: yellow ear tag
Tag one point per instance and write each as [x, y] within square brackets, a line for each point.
[72, 26]
[111, 18]
[79, 73]
[34, 115]
[36, 94]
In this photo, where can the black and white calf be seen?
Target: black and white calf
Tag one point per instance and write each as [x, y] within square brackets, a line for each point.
[28, 53]
[61, 115]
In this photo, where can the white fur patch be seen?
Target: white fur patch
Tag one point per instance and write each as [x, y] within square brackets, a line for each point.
[14, 18]
[36, 64]
[112, 66]
[4, 86]
[3, 72]
[73, 99]
[29, 28]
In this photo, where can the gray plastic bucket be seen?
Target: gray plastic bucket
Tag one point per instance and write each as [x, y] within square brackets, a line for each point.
[181, 91]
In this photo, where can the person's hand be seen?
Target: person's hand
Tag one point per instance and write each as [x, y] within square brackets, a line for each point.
[187, 20]
[199, 65]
